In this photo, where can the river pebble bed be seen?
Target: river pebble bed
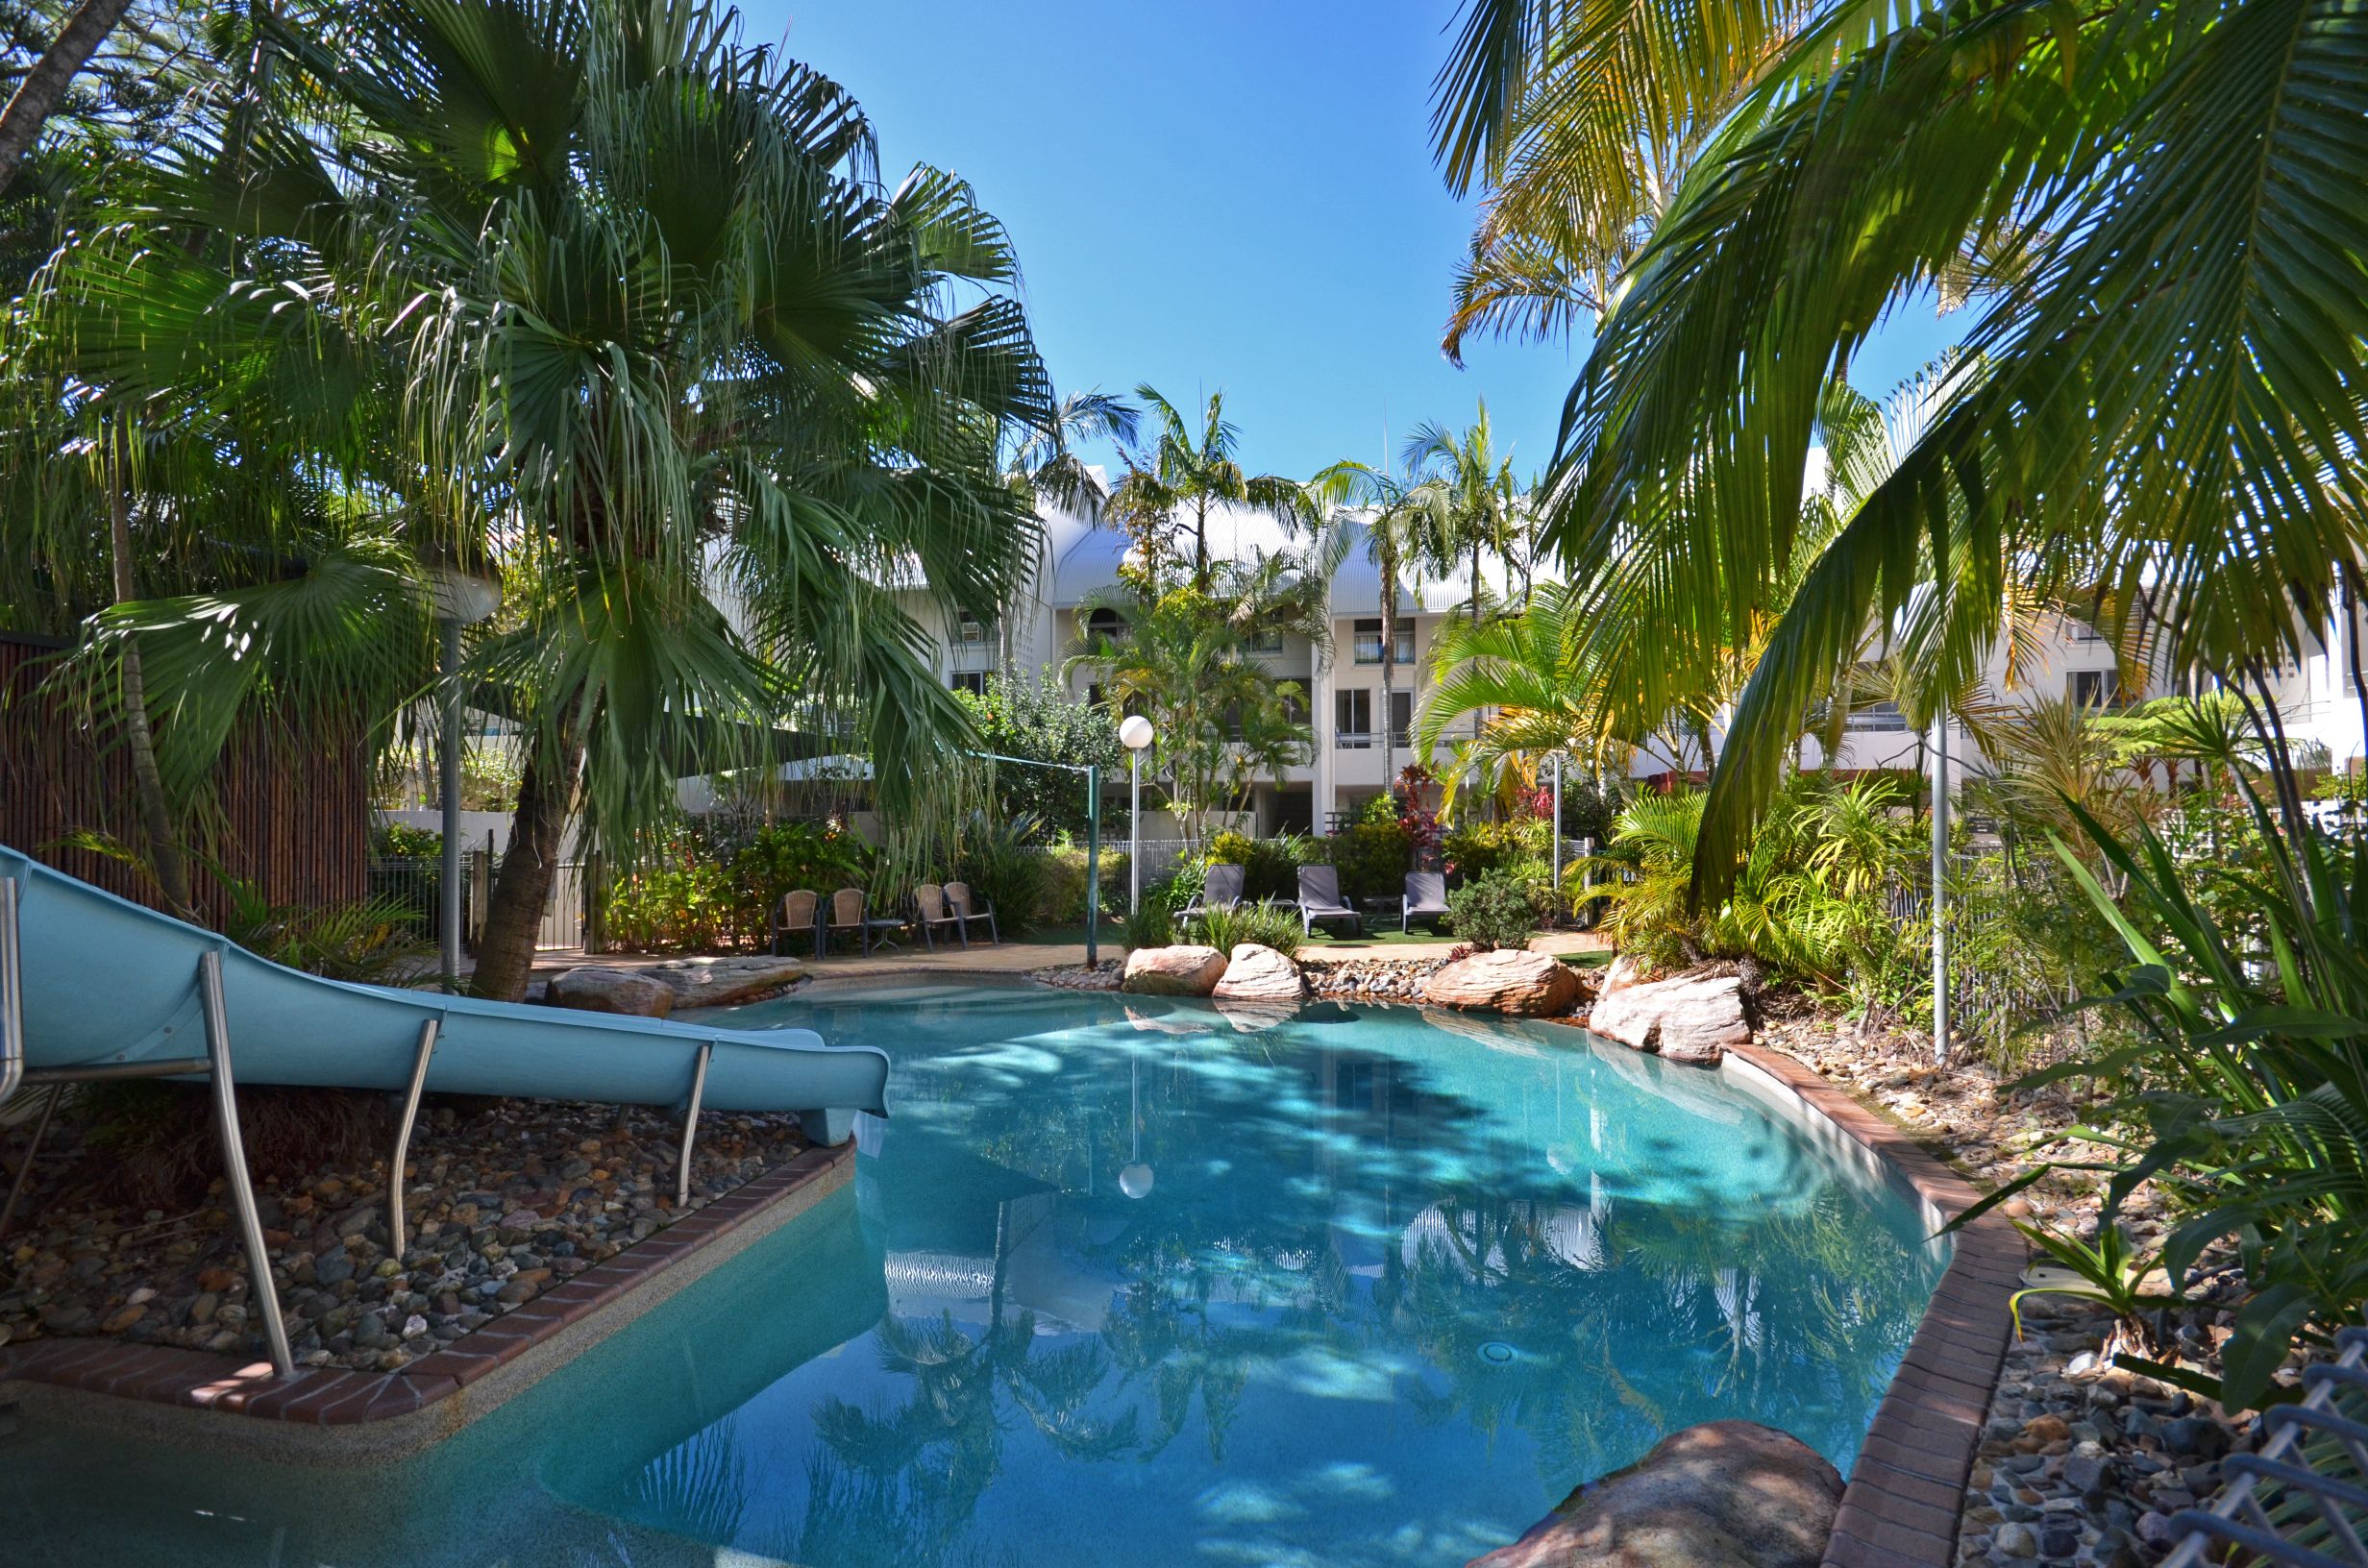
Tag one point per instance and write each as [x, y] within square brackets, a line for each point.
[505, 1198]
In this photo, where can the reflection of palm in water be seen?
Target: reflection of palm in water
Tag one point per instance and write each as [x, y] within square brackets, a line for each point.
[923, 1465]
[1626, 1316]
[1478, 1271]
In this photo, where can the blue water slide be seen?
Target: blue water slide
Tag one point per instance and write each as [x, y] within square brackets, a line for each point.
[107, 984]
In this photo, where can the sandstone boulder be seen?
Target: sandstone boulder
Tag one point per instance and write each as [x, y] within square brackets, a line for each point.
[725, 982]
[595, 990]
[1528, 985]
[1694, 1018]
[1622, 972]
[1732, 1493]
[1173, 971]
[1259, 973]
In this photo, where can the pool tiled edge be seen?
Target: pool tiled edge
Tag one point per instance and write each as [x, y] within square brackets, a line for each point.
[1901, 1506]
[424, 1400]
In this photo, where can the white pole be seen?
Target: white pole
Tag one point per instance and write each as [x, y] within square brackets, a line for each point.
[1134, 831]
[1940, 867]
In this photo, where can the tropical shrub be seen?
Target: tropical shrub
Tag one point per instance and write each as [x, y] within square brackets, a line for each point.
[1151, 924]
[776, 858]
[689, 904]
[1007, 870]
[1269, 866]
[1269, 925]
[2246, 1089]
[1475, 849]
[400, 841]
[374, 941]
[1810, 902]
[1039, 722]
[1494, 912]
[1371, 855]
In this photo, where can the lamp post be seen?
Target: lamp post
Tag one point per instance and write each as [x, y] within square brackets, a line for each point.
[1941, 871]
[1135, 733]
[461, 599]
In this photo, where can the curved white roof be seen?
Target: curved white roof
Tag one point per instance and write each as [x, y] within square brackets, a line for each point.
[1084, 558]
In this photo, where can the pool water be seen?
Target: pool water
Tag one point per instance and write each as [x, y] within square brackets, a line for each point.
[1139, 1282]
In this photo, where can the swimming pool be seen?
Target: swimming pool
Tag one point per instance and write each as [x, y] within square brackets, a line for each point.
[1131, 1281]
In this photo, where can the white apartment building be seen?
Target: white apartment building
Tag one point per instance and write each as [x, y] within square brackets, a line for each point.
[1348, 708]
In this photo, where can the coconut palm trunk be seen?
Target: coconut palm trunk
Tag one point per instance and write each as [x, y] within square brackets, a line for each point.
[514, 914]
[43, 87]
[164, 856]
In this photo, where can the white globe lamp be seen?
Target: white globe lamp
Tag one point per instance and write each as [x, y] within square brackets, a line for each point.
[1135, 733]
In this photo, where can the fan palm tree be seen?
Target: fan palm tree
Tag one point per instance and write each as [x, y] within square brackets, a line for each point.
[656, 329]
[1186, 473]
[2161, 394]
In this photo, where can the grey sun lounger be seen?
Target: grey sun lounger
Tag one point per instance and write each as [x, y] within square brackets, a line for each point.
[1221, 890]
[1319, 900]
[1426, 898]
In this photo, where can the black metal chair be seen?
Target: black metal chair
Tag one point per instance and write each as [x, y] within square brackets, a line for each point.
[1223, 890]
[1426, 898]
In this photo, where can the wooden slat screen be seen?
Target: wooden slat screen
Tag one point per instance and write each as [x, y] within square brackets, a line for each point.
[297, 824]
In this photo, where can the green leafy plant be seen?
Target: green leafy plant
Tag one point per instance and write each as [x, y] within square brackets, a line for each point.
[1005, 869]
[1372, 854]
[1494, 912]
[1269, 866]
[374, 941]
[400, 841]
[1150, 924]
[1269, 925]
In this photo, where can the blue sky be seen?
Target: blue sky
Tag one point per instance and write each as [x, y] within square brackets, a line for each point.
[1224, 195]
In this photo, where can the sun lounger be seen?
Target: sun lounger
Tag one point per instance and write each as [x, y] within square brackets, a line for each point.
[1319, 900]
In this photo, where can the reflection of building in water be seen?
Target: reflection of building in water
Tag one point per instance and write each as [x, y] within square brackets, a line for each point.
[986, 1227]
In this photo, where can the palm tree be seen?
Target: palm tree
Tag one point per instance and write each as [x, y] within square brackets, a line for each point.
[1045, 467]
[1469, 494]
[2160, 394]
[1581, 123]
[780, 395]
[1188, 472]
[1400, 539]
[1185, 660]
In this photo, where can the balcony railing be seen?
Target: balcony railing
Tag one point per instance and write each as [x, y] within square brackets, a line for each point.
[1364, 740]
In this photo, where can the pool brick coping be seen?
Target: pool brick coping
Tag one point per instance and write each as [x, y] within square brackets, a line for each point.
[337, 1397]
[1901, 1506]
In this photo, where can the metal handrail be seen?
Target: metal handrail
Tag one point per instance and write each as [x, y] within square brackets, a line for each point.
[2281, 1492]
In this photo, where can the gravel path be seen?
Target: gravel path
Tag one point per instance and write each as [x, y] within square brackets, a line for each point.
[503, 1200]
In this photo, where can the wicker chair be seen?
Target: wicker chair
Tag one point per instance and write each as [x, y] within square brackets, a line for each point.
[929, 914]
[849, 915]
[799, 914]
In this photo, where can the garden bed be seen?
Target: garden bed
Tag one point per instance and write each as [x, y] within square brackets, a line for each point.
[506, 1199]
